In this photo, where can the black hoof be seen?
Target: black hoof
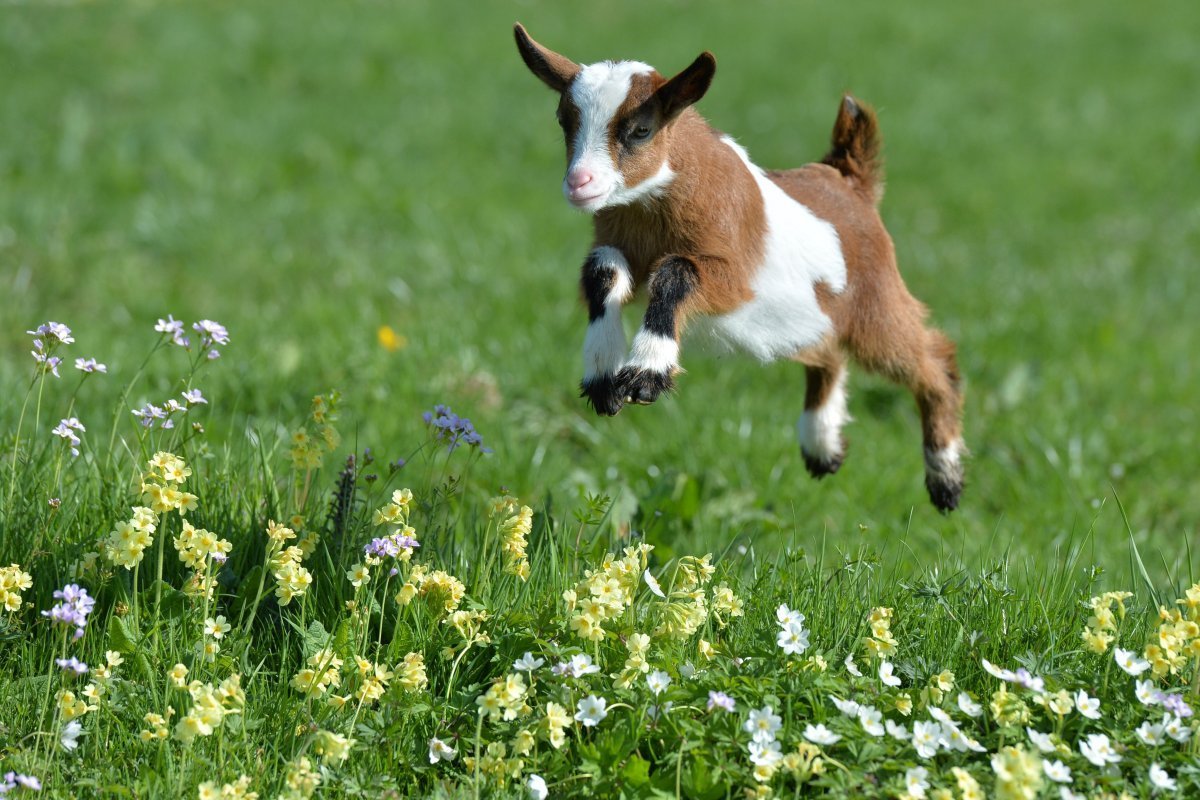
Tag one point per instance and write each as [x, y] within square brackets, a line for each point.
[642, 386]
[602, 394]
[944, 495]
[820, 467]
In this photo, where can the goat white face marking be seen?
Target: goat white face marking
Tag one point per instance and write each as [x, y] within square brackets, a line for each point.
[604, 343]
[800, 251]
[654, 353]
[821, 430]
[598, 92]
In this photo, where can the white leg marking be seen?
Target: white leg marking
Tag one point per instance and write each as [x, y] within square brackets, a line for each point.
[821, 430]
[604, 344]
[654, 353]
[946, 464]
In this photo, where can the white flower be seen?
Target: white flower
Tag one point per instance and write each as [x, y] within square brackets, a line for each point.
[954, 739]
[793, 639]
[997, 672]
[527, 663]
[766, 753]
[687, 671]
[1057, 771]
[1161, 780]
[925, 738]
[1099, 750]
[658, 682]
[1147, 695]
[1175, 728]
[887, 674]
[580, 665]
[590, 710]
[70, 735]
[819, 734]
[969, 706]
[916, 781]
[440, 751]
[851, 667]
[537, 787]
[1066, 794]
[763, 724]
[1087, 705]
[787, 616]
[1041, 740]
[1152, 735]
[652, 582]
[1130, 662]
[940, 715]
[871, 720]
[897, 732]
[847, 707]
[654, 712]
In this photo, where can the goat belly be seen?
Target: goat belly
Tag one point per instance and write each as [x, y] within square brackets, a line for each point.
[800, 251]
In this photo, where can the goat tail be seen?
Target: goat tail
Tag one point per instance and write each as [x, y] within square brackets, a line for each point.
[855, 147]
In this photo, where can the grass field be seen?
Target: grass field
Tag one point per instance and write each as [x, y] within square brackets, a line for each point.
[306, 173]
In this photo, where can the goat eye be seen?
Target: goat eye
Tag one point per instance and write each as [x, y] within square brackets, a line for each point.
[640, 133]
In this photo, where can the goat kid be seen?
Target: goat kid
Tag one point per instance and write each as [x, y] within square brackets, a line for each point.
[789, 264]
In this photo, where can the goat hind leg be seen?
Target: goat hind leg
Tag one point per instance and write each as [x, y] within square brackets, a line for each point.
[820, 426]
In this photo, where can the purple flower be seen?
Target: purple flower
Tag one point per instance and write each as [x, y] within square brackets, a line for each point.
[194, 397]
[66, 429]
[175, 328]
[148, 413]
[74, 609]
[453, 429]
[211, 333]
[72, 664]
[49, 363]
[14, 779]
[390, 546]
[90, 365]
[55, 330]
[720, 700]
[1175, 704]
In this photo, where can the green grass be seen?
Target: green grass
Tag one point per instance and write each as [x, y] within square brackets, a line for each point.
[306, 172]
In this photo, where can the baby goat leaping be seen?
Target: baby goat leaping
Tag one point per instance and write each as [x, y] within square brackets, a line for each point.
[781, 264]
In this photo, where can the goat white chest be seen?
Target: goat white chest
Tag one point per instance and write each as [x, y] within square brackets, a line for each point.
[800, 251]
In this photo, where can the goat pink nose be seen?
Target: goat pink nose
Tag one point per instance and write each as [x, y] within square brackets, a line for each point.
[577, 179]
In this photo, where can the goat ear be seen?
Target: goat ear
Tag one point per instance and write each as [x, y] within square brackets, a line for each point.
[688, 86]
[556, 71]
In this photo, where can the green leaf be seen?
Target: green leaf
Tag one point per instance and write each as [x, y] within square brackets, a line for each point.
[636, 772]
[315, 638]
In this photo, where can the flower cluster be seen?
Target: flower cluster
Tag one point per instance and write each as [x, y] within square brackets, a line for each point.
[238, 790]
[73, 610]
[210, 705]
[440, 590]
[367, 683]
[13, 581]
[1178, 639]
[606, 592]
[164, 414]
[452, 429]
[47, 338]
[514, 524]
[66, 430]
[881, 643]
[401, 538]
[212, 334]
[793, 636]
[285, 563]
[317, 437]
[302, 780]
[1102, 624]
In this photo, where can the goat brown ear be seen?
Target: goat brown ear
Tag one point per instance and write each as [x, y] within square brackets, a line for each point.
[556, 71]
[688, 86]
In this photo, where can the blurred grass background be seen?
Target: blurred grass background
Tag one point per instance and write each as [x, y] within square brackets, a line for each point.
[306, 172]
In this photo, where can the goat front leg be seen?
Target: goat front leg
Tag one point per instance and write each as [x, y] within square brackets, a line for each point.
[654, 357]
[607, 284]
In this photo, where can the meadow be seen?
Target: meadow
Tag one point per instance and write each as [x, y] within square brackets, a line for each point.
[360, 202]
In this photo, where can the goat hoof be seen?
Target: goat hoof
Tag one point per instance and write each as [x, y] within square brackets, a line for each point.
[602, 394]
[819, 467]
[642, 386]
[944, 494]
